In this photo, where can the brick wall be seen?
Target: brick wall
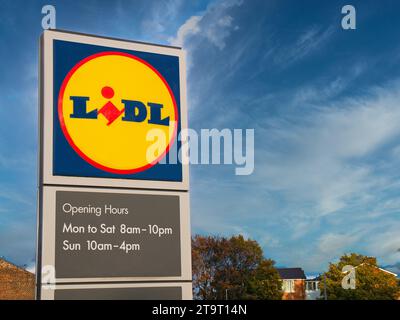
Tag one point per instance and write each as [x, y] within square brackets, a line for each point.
[15, 283]
[299, 291]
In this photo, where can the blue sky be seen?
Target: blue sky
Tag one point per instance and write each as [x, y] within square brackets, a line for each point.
[324, 104]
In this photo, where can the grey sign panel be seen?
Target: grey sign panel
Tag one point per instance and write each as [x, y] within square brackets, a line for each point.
[119, 291]
[111, 235]
[154, 293]
[116, 235]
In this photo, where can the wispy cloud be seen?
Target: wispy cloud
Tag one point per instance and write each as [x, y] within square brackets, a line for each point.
[319, 162]
[159, 16]
[306, 43]
[322, 103]
[386, 244]
[16, 196]
[334, 244]
[214, 25]
[324, 158]
[25, 162]
[17, 241]
[323, 91]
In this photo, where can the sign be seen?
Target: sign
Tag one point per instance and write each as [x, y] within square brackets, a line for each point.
[122, 291]
[104, 104]
[119, 234]
[113, 208]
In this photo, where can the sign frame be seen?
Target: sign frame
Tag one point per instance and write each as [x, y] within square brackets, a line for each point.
[46, 112]
[48, 182]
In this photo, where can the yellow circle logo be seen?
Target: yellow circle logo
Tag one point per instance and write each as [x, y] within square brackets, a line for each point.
[108, 104]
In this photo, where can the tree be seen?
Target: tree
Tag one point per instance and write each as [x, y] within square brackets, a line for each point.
[371, 283]
[232, 268]
[265, 284]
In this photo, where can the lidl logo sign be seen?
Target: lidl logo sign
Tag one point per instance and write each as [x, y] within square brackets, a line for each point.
[106, 104]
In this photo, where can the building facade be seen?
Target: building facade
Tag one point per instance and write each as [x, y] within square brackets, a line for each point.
[293, 283]
[15, 283]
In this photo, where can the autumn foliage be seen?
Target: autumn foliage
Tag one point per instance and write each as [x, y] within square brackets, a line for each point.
[371, 282]
[232, 268]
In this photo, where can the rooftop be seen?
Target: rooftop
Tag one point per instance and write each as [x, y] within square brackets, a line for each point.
[291, 273]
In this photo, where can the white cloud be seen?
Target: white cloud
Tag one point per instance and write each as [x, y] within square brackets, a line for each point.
[190, 27]
[215, 25]
[334, 244]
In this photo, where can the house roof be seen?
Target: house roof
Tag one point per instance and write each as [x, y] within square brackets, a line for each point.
[384, 270]
[291, 273]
